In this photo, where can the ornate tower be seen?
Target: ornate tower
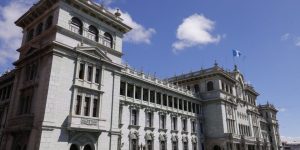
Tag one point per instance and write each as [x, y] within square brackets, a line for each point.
[66, 78]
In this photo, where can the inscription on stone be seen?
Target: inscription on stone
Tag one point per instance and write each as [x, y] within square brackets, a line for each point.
[90, 122]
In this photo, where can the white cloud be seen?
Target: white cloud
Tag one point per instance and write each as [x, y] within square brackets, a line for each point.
[105, 2]
[290, 139]
[282, 109]
[285, 36]
[139, 33]
[195, 30]
[10, 34]
[297, 41]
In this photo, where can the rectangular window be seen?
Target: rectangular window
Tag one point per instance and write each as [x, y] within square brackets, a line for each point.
[87, 106]
[185, 105]
[190, 106]
[174, 145]
[30, 34]
[95, 108]
[163, 145]
[134, 117]
[134, 144]
[31, 72]
[185, 146]
[26, 100]
[149, 145]
[8, 91]
[193, 127]
[175, 102]
[152, 96]
[3, 93]
[130, 90]
[193, 107]
[162, 122]
[194, 146]
[81, 71]
[184, 124]
[138, 92]
[180, 104]
[165, 99]
[158, 98]
[90, 73]
[197, 109]
[149, 119]
[201, 127]
[122, 88]
[174, 123]
[78, 105]
[170, 101]
[97, 76]
[145, 94]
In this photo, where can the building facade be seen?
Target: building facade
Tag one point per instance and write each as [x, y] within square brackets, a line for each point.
[70, 91]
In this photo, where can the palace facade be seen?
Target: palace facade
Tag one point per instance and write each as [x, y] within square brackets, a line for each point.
[70, 91]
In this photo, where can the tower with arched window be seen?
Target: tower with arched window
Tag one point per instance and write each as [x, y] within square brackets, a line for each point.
[68, 72]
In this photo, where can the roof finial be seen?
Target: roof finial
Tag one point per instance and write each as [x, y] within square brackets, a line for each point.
[235, 68]
[118, 14]
[216, 64]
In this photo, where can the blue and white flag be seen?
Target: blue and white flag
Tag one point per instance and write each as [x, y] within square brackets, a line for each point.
[236, 53]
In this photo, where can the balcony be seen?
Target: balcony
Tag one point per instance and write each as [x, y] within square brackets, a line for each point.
[211, 94]
[232, 136]
[20, 123]
[83, 123]
[248, 138]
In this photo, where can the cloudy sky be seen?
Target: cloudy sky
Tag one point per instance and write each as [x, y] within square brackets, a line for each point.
[170, 38]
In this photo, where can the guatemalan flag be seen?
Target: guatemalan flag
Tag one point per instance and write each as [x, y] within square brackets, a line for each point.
[236, 53]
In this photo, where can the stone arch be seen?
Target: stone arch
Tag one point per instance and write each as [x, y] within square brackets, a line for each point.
[87, 147]
[83, 139]
[217, 147]
[74, 147]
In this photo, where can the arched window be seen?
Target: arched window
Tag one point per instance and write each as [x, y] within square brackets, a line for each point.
[74, 147]
[93, 33]
[216, 147]
[108, 40]
[39, 29]
[196, 88]
[210, 86]
[76, 25]
[87, 147]
[49, 22]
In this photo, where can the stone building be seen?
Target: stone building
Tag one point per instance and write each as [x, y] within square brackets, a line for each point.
[70, 91]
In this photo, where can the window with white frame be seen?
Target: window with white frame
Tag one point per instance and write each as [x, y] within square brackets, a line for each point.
[133, 144]
[86, 107]
[86, 104]
[162, 121]
[174, 123]
[90, 73]
[149, 119]
[174, 145]
[134, 117]
[163, 145]
[81, 71]
[184, 124]
[193, 124]
[185, 145]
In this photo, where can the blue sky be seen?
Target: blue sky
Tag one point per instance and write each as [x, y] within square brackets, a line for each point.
[266, 32]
